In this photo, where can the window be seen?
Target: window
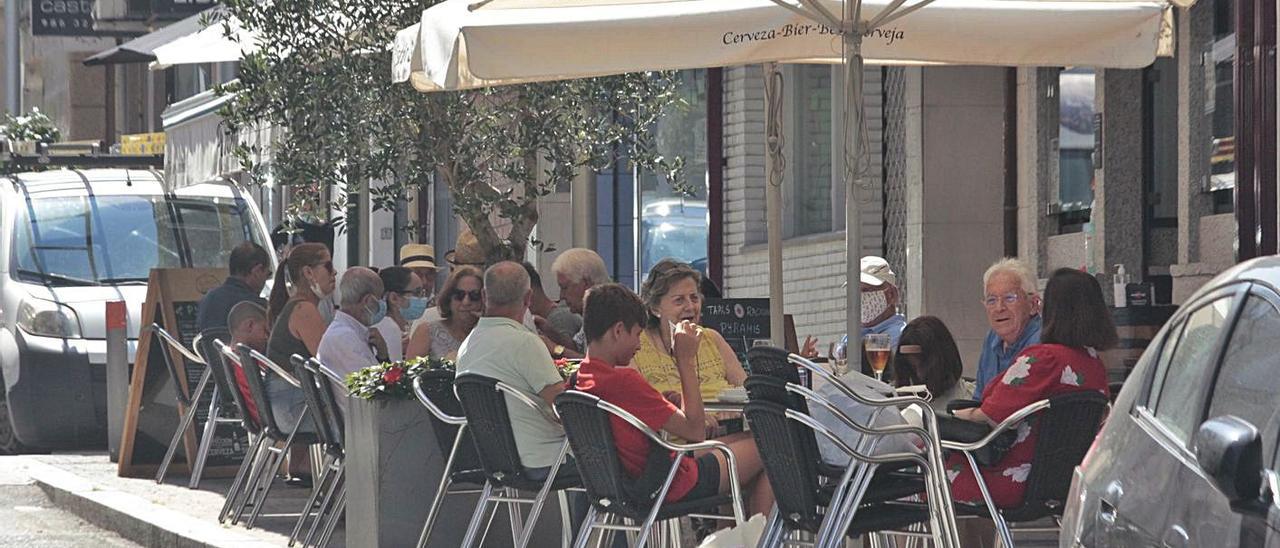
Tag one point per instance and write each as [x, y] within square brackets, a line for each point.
[811, 205]
[1182, 388]
[1249, 380]
[1220, 106]
[1075, 141]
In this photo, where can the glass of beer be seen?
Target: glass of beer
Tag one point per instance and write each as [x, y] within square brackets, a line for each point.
[878, 350]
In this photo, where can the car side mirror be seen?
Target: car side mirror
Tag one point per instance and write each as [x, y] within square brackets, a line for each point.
[1229, 450]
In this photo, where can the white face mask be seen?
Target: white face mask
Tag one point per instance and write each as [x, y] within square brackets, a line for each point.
[874, 303]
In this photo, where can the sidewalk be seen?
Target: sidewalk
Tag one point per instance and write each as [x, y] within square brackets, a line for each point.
[168, 515]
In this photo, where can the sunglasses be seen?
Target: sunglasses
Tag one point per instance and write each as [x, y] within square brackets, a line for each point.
[459, 295]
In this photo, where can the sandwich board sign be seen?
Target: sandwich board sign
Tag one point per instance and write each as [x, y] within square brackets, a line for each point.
[152, 412]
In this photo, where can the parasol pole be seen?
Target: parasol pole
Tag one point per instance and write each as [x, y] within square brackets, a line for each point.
[775, 166]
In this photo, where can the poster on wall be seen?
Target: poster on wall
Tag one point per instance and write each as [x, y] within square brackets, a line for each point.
[62, 17]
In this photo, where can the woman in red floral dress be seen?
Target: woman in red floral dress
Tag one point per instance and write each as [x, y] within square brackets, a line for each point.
[1077, 325]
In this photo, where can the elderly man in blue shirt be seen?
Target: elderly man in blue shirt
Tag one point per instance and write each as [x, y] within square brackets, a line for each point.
[1012, 302]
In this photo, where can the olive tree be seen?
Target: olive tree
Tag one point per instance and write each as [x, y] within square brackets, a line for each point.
[322, 74]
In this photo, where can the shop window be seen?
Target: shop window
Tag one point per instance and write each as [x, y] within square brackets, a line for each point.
[1075, 147]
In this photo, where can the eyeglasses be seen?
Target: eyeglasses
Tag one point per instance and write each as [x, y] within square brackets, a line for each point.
[459, 295]
[1009, 299]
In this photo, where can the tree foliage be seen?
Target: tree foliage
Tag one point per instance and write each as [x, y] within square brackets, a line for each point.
[322, 74]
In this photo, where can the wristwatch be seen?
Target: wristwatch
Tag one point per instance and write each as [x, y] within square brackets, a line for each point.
[558, 351]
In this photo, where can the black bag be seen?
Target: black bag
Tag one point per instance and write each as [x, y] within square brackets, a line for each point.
[957, 429]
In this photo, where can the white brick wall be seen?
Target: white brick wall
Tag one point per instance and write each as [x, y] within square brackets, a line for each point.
[814, 265]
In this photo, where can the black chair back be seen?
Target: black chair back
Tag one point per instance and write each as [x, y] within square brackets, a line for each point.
[490, 424]
[772, 361]
[773, 389]
[327, 383]
[322, 415]
[1066, 431]
[609, 487]
[254, 377]
[213, 360]
[228, 364]
[789, 463]
[438, 386]
[168, 345]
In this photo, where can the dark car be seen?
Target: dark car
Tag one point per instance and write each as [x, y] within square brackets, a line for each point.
[1188, 456]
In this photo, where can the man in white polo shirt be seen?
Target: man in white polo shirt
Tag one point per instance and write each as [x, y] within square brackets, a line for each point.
[500, 347]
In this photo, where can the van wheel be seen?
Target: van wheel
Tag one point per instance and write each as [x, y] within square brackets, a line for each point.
[9, 444]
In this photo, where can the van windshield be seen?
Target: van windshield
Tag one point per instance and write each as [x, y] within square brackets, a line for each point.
[92, 240]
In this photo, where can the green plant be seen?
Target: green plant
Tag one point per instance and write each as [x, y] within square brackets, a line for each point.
[393, 380]
[322, 73]
[34, 126]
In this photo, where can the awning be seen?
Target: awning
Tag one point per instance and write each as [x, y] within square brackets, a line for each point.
[142, 48]
[466, 44]
[207, 45]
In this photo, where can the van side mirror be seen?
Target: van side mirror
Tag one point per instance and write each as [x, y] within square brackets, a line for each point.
[1229, 450]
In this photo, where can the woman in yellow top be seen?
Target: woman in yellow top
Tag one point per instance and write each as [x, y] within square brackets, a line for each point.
[671, 294]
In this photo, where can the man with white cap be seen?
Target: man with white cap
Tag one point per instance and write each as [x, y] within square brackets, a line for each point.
[879, 301]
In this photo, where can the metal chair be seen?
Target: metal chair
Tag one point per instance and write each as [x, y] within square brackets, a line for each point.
[1067, 425]
[613, 492]
[434, 390]
[318, 392]
[222, 405]
[277, 441]
[190, 400]
[249, 420]
[485, 407]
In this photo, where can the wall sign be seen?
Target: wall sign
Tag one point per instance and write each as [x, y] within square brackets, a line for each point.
[62, 17]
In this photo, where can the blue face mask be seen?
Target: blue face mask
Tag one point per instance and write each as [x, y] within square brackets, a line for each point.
[415, 309]
[378, 314]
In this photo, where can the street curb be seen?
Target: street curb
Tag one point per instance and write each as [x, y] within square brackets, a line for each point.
[133, 517]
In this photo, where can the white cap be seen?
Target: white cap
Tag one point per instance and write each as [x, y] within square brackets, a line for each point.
[876, 272]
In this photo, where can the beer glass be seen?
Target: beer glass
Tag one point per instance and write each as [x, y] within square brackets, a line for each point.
[878, 350]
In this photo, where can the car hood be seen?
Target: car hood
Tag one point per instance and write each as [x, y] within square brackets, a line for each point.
[89, 304]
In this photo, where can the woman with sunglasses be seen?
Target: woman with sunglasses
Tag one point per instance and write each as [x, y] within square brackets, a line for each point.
[461, 303]
[406, 302]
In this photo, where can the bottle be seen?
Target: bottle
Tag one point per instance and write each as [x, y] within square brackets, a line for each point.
[1118, 286]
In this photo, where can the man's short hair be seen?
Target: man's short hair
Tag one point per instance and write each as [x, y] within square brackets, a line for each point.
[243, 312]
[505, 284]
[246, 256]
[580, 264]
[606, 305]
[1026, 277]
[357, 282]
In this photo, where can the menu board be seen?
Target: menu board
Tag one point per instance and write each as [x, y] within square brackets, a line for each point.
[153, 412]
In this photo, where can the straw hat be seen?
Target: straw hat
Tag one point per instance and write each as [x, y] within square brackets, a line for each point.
[418, 256]
[467, 251]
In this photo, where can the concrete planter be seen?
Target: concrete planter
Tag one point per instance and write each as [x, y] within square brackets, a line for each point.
[393, 468]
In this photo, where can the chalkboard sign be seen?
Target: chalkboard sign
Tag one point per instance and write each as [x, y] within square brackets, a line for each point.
[152, 412]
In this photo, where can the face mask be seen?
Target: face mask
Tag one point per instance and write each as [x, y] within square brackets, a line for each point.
[377, 314]
[874, 304]
[327, 308]
[415, 309]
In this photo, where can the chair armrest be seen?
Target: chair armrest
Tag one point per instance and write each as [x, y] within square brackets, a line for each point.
[956, 405]
[432, 408]
[897, 401]
[814, 397]
[818, 427]
[176, 344]
[1004, 425]
[287, 376]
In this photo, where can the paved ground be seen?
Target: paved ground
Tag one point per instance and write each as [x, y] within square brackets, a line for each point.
[30, 520]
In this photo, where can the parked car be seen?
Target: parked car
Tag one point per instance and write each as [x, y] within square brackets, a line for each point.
[70, 241]
[672, 227]
[1188, 456]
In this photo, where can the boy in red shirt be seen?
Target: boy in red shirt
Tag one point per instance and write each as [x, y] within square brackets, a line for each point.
[613, 321]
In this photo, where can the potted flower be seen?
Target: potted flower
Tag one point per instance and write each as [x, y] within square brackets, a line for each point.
[27, 130]
[393, 462]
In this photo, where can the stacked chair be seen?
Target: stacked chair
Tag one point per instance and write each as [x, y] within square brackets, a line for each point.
[223, 404]
[827, 503]
[434, 390]
[249, 420]
[330, 490]
[638, 503]
[189, 398]
[274, 442]
[484, 405]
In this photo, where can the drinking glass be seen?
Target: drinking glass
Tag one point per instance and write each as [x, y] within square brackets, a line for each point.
[839, 359]
[878, 350]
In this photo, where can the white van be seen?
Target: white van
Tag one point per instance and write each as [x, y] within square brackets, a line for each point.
[70, 241]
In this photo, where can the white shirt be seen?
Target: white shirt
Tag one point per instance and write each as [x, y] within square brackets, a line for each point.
[344, 348]
[394, 337]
